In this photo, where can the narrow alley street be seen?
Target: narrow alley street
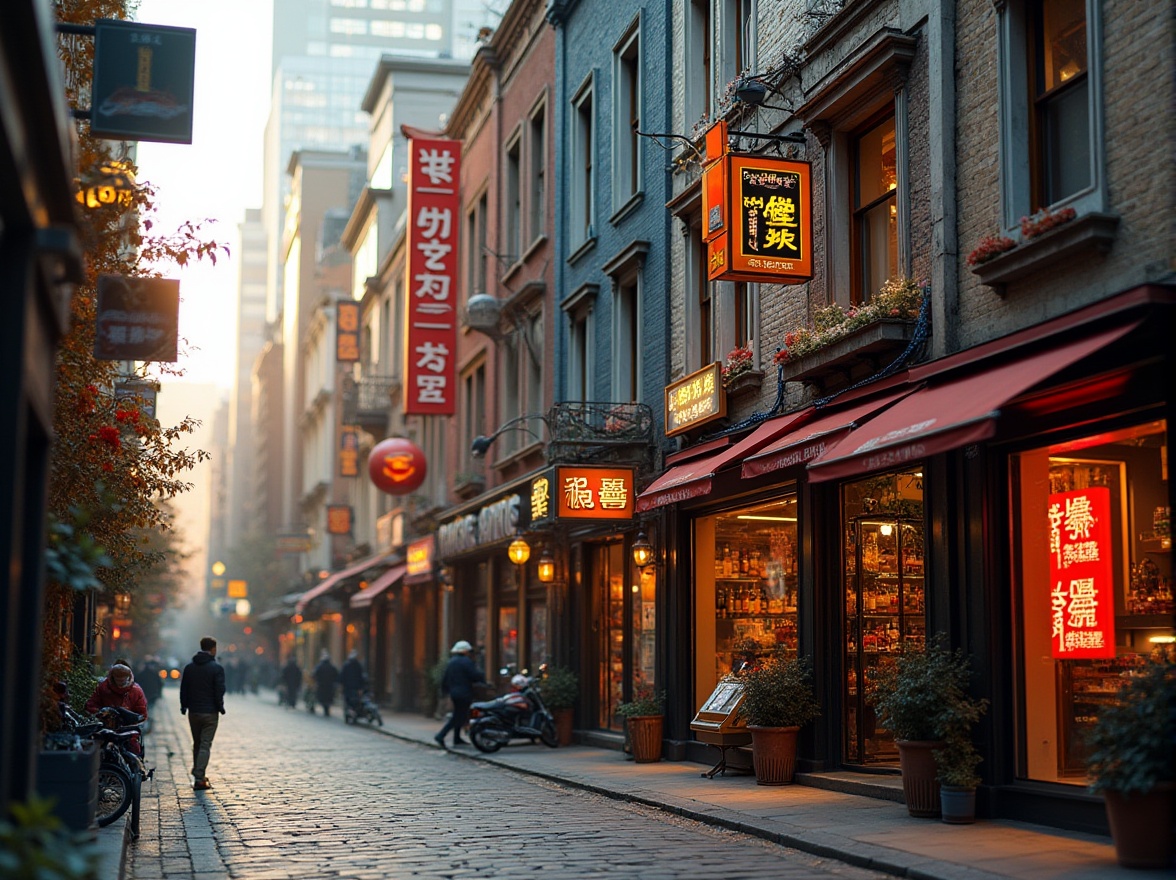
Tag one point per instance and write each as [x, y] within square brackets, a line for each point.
[301, 796]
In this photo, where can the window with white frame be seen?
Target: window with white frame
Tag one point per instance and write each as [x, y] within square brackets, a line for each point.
[582, 170]
[626, 177]
[513, 201]
[1052, 149]
[536, 198]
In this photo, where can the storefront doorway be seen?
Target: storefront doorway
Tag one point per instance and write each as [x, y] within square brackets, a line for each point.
[885, 607]
[626, 626]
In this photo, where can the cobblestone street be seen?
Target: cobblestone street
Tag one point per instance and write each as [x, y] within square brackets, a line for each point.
[297, 796]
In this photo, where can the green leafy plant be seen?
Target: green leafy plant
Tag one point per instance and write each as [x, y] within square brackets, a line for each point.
[923, 695]
[560, 688]
[779, 693]
[1132, 746]
[646, 701]
[36, 845]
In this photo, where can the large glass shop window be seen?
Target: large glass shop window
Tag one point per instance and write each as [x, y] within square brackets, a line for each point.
[745, 588]
[883, 564]
[1094, 584]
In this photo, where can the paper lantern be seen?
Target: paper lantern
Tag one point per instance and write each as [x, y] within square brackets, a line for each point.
[397, 466]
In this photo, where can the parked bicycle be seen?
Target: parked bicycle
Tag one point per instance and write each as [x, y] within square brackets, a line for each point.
[122, 770]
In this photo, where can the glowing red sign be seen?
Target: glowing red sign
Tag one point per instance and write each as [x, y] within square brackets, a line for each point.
[433, 218]
[397, 466]
[1082, 601]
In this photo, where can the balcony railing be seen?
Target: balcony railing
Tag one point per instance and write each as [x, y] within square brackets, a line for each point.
[591, 429]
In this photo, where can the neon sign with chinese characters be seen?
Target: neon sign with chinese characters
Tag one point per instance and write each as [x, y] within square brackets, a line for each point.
[1082, 602]
[582, 492]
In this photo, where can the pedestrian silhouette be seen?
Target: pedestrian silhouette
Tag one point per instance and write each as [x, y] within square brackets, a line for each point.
[460, 677]
[202, 699]
[326, 677]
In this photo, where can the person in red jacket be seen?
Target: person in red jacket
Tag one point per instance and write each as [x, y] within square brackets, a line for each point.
[119, 690]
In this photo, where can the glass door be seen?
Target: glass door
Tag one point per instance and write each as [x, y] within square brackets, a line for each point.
[625, 629]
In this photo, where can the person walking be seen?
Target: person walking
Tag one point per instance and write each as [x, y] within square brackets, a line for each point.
[458, 683]
[353, 680]
[326, 676]
[291, 682]
[202, 699]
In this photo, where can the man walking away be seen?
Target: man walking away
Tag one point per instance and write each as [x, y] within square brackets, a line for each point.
[354, 681]
[202, 690]
[326, 676]
[291, 682]
[460, 677]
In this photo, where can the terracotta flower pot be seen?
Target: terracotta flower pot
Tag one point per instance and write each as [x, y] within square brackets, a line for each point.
[645, 738]
[563, 725]
[920, 788]
[773, 754]
[1142, 826]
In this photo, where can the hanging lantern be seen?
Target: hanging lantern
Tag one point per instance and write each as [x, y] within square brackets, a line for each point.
[546, 567]
[519, 551]
[397, 466]
[642, 551]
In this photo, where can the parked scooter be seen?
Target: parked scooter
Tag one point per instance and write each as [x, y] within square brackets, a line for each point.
[362, 708]
[520, 714]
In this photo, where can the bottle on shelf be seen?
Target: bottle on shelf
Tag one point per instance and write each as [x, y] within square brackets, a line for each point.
[726, 560]
[743, 562]
[753, 568]
[720, 603]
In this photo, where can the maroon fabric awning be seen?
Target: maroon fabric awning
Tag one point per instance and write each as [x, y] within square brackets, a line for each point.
[329, 583]
[366, 596]
[815, 435]
[692, 479]
[949, 411]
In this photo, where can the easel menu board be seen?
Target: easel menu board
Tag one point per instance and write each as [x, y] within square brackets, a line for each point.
[720, 712]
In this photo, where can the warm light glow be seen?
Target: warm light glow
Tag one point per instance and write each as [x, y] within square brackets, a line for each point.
[218, 568]
[768, 518]
[886, 529]
[642, 551]
[1162, 640]
[175, 673]
[351, 628]
[248, 630]
[116, 633]
[546, 567]
[297, 618]
[519, 551]
[243, 607]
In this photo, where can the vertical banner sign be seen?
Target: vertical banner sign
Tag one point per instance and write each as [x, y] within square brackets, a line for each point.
[433, 210]
[771, 209]
[143, 82]
[347, 332]
[338, 519]
[349, 452]
[1082, 601]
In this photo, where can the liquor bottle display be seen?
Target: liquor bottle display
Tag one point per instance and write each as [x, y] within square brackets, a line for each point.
[884, 610]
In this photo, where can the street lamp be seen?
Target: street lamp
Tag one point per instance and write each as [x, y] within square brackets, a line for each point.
[481, 443]
[642, 551]
[546, 566]
[519, 551]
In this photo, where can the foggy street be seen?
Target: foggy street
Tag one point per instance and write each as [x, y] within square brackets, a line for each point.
[296, 795]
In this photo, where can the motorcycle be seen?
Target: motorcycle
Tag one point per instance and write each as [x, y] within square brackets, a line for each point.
[362, 707]
[520, 714]
[122, 769]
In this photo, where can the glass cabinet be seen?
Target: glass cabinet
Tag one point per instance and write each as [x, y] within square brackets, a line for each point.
[884, 609]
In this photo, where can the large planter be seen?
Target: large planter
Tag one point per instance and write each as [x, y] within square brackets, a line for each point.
[71, 778]
[920, 787]
[564, 725]
[645, 738]
[853, 356]
[773, 754]
[958, 804]
[1141, 826]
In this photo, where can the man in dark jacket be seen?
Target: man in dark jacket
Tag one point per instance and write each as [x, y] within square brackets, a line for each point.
[202, 690]
[291, 681]
[326, 676]
[353, 680]
[460, 677]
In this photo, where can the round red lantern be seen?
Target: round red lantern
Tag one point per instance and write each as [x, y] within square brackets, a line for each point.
[397, 466]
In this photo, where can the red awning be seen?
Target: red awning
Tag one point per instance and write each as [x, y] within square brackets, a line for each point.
[692, 479]
[948, 412]
[329, 583]
[815, 435]
[366, 596]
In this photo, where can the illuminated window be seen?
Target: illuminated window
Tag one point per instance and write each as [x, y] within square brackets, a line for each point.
[875, 209]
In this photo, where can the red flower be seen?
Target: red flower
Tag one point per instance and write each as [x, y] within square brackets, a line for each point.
[110, 436]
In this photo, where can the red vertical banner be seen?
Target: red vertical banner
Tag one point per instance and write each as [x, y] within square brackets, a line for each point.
[433, 219]
[1082, 599]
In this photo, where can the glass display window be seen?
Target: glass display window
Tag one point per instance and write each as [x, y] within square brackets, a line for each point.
[746, 588]
[1093, 564]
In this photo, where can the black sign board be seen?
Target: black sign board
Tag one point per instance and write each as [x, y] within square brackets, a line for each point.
[138, 319]
[143, 82]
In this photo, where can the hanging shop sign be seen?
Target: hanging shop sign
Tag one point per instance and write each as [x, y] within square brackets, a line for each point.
[295, 542]
[493, 523]
[338, 519]
[695, 400]
[137, 320]
[433, 211]
[238, 589]
[418, 557]
[347, 332]
[757, 215]
[397, 466]
[143, 82]
[349, 451]
[567, 492]
[1082, 603]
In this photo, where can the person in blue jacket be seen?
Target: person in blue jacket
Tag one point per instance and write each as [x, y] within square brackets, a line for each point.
[458, 683]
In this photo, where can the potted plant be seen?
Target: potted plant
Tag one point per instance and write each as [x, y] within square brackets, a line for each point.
[955, 766]
[778, 700]
[738, 373]
[644, 715]
[560, 689]
[922, 698]
[1131, 759]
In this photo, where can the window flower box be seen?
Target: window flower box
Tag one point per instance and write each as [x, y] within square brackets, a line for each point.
[1092, 233]
[744, 383]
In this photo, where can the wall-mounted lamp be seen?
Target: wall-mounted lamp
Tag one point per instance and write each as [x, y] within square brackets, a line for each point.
[519, 551]
[642, 551]
[546, 566]
[481, 444]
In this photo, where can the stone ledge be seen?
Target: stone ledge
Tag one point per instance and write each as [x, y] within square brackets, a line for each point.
[1093, 232]
[863, 351]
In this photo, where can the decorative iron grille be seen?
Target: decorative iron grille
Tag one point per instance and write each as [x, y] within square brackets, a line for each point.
[586, 429]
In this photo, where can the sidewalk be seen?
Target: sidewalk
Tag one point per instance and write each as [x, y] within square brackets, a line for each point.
[864, 831]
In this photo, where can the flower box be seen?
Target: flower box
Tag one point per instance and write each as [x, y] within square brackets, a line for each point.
[744, 383]
[855, 356]
[1092, 233]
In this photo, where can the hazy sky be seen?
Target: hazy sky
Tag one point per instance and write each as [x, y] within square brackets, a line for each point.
[219, 174]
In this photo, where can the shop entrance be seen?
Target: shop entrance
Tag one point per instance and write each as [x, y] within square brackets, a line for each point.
[625, 623]
[885, 607]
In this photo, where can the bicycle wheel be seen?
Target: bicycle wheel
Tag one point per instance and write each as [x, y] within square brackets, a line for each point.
[115, 790]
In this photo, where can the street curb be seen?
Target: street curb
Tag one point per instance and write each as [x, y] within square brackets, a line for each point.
[870, 857]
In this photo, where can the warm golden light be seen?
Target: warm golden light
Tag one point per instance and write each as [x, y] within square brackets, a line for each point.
[519, 551]
[642, 551]
[218, 568]
[546, 567]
